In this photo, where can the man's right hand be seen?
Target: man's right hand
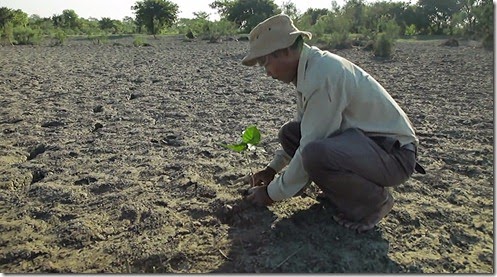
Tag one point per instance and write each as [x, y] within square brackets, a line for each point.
[263, 177]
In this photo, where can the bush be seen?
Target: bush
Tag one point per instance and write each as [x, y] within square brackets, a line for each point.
[140, 41]
[59, 37]
[26, 36]
[98, 39]
[410, 30]
[7, 34]
[383, 46]
[339, 41]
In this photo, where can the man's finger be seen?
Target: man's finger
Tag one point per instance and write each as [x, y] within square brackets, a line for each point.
[244, 180]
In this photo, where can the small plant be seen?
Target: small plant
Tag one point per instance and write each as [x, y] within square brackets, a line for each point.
[250, 139]
[139, 41]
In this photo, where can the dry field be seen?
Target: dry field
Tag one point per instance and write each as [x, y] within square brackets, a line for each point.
[109, 163]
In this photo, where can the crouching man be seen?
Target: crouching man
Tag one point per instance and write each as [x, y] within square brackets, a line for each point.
[349, 136]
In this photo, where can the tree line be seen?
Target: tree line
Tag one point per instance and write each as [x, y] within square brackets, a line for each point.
[336, 25]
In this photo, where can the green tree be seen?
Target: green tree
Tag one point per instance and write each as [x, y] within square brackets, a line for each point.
[154, 15]
[355, 11]
[290, 9]
[18, 18]
[128, 25]
[310, 17]
[440, 13]
[246, 14]
[110, 25]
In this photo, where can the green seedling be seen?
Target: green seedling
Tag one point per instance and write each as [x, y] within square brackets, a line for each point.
[250, 139]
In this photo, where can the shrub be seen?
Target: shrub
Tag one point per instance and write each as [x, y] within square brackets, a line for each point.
[140, 41]
[339, 41]
[26, 36]
[98, 39]
[59, 37]
[383, 46]
[410, 30]
[7, 34]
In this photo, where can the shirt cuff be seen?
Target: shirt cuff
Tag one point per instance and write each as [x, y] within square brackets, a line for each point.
[275, 192]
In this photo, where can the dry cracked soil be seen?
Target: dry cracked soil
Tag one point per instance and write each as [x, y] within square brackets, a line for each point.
[110, 162]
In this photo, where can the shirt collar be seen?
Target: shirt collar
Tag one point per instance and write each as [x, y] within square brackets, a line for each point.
[304, 55]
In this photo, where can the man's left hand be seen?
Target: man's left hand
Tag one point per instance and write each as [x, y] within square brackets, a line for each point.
[258, 196]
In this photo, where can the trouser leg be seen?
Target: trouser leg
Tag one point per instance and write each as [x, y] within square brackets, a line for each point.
[353, 171]
[289, 137]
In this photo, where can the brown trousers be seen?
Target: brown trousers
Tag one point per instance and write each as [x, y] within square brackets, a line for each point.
[351, 168]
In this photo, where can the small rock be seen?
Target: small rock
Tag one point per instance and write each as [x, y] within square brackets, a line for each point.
[98, 109]
[97, 126]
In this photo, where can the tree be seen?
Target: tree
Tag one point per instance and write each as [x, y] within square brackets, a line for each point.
[16, 17]
[440, 13]
[110, 25]
[246, 14]
[310, 17]
[154, 15]
[290, 9]
[354, 10]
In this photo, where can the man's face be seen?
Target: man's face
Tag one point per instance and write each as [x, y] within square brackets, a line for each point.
[280, 65]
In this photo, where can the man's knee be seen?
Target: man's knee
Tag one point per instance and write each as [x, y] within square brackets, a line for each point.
[312, 157]
[289, 137]
[288, 130]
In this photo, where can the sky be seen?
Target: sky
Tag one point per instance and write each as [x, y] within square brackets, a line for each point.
[118, 9]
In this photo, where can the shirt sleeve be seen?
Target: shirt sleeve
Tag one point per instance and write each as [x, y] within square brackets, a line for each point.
[322, 115]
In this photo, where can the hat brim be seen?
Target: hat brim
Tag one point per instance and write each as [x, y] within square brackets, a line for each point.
[250, 58]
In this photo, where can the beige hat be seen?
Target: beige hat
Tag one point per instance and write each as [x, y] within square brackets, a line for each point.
[274, 33]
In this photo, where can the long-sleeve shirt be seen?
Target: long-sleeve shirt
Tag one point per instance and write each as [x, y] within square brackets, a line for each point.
[333, 95]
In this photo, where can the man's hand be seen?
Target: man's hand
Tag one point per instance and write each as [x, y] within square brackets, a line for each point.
[263, 177]
[258, 196]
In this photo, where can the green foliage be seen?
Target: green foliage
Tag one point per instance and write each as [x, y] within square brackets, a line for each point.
[310, 18]
[155, 15]
[389, 27]
[383, 46]
[250, 138]
[7, 34]
[289, 8]
[98, 38]
[337, 26]
[140, 41]
[59, 37]
[26, 36]
[246, 14]
[410, 30]
[469, 18]
[204, 29]
[439, 12]
[67, 20]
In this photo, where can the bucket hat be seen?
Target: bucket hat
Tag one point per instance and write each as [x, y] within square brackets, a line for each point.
[274, 33]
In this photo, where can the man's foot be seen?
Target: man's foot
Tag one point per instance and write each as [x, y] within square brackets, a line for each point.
[368, 222]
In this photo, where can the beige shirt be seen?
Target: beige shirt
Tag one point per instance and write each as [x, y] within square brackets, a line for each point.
[333, 95]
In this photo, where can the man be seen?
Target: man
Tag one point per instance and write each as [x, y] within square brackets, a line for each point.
[349, 135]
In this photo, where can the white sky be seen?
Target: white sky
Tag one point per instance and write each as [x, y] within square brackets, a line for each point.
[118, 9]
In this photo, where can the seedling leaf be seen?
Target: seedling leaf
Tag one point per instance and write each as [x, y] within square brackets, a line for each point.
[251, 135]
[240, 147]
